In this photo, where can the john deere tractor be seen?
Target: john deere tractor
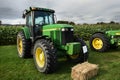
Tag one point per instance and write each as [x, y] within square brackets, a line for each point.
[103, 41]
[43, 38]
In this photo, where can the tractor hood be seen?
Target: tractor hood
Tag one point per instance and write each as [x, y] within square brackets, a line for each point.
[60, 34]
[113, 32]
[56, 26]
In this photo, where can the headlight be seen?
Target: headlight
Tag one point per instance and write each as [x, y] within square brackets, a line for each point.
[112, 36]
[72, 29]
[63, 29]
[67, 29]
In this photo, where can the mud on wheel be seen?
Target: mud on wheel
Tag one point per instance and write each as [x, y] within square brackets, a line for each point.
[23, 45]
[44, 56]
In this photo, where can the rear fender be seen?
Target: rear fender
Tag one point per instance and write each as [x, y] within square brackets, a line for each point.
[40, 37]
[26, 32]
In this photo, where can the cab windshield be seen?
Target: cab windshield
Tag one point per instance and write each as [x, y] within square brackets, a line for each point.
[43, 18]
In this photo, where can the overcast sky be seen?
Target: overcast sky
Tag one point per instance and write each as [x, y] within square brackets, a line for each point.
[79, 11]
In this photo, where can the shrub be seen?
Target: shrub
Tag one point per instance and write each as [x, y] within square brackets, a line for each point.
[8, 34]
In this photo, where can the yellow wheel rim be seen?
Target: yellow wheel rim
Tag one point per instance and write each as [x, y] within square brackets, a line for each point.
[74, 56]
[40, 57]
[97, 43]
[20, 45]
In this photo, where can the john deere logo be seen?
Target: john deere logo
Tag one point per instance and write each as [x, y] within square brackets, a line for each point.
[118, 33]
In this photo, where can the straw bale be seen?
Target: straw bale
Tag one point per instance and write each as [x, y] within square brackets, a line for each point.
[84, 71]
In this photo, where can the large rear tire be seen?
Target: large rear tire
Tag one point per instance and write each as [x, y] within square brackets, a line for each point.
[44, 56]
[99, 42]
[23, 45]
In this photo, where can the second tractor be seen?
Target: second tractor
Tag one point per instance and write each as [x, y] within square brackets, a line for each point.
[103, 41]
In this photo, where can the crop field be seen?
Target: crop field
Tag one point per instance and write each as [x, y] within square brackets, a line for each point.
[8, 33]
[14, 68]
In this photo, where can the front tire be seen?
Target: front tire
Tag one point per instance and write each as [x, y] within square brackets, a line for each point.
[99, 42]
[44, 57]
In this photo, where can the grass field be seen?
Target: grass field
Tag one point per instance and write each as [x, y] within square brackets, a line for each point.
[14, 68]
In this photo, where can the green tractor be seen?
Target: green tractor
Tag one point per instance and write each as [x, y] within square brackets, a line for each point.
[42, 39]
[103, 41]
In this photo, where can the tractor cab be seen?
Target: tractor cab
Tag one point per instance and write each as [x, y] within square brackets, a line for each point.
[36, 18]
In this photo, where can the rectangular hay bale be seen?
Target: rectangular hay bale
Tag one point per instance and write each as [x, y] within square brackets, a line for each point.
[84, 71]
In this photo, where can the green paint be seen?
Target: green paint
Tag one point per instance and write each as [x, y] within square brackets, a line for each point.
[114, 36]
[73, 48]
[26, 32]
[56, 26]
[54, 32]
[113, 32]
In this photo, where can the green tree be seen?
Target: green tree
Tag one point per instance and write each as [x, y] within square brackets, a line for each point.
[66, 22]
[62, 22]
[71, 23]
[112, 22]
[0, 22]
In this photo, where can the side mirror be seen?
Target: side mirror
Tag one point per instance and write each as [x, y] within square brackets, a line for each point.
[24, 13]
[23, 16]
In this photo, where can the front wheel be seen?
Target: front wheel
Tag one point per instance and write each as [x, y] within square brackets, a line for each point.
[99, 42]
[44, 57]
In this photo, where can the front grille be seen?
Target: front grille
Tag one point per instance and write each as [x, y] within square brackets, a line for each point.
[67, 36]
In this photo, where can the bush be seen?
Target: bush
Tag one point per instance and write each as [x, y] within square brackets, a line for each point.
[8, 34]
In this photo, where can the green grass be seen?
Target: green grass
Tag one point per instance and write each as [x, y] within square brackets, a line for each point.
[14, 68]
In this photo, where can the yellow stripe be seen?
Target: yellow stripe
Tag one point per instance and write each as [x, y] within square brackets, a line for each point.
[119, 43]
[51, 29]
[117, 33]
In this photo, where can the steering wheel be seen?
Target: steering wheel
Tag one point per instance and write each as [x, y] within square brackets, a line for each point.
[39, 24]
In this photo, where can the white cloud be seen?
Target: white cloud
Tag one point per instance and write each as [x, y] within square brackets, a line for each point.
[80, 11]
[13, 21]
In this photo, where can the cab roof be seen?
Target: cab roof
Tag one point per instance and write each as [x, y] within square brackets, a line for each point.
[26, 11]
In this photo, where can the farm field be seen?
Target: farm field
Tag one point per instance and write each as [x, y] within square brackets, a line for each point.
[14, 68]
[60, 37]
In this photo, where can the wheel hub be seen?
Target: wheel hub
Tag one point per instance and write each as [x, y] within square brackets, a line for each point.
[40, 57]
[20, 45]
[97, 43]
